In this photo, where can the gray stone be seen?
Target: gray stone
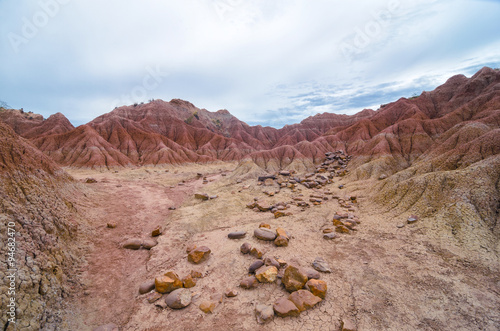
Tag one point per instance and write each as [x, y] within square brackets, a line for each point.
[329, 236]
[321, 265]
[147, 286]
[132, 244]
[237, 235]
[149, 243]
[265, 234]
[255, 265]
[264, 313]
[178, 299]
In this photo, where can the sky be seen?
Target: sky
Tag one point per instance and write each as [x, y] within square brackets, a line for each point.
[269, 62]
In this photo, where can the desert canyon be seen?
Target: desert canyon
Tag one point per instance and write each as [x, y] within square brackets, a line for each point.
[166, 216]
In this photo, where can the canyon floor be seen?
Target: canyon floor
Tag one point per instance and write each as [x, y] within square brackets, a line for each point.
[384, 277]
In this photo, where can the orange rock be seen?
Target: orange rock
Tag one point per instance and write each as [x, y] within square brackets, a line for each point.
[188, 282]
[167, 283]
[341, 229]
[294, 279]
[199, 255]
[207, 307]
[304, 299]
[264, 225]
[317, 287]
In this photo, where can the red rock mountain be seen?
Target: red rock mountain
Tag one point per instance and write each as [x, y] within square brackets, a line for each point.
[462, 112]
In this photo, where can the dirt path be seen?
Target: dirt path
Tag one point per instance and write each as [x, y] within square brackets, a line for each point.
[136, 206]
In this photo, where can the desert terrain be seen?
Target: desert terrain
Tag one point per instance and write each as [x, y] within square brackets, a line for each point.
[395, 211]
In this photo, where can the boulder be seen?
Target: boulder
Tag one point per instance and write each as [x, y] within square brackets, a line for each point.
[156, 232]
[188, 281]
[412, 219]
[264, 234]
[245, 248]
[255, 265]
[231, 292]
[249, 282]
[317, 287]
[321, 265]
[237, 235]
[147, 286]
[304, 299]
[134, 243]
[257, 253]
[266, 274]
[284, 308]
[329, 236]
[294, 278]
[199, 254]
[264, 313]
[311, 273]
[281, 241]
[167, 283]
[201, 196]
[207, 307]
[178, 299]
[149, 243]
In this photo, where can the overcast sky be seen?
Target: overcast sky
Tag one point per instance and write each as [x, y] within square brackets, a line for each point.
[267, 62]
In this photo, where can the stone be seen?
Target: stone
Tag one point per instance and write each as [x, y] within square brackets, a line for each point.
[328, 230]
[329, 236]
[167, 283]
[317, 287]
[147, 286]
[149, 243]
[255, 265]
[284, 308]
[199, 254]
[90, 180]
[172, 208]
[237, 235]
[264, 313]
[271, 261]
[304, 299]
[400, 225]
[196, 274]
[245, 248]
[262, 206]
[347, 325]
[282, 232]
[264, 234]
[281, 241]
[279, 213]
[201, 196]
[132, 244]
[382, 177]
[285, 173]
[266, 274]
[311, 273]
[152, 297]
[294, 278]
[249, 282]
[111, 225]
[257, 253]
[156, 232]
[188, 281]
[190, 247]
[321, 265]
[231, 292]
[341, 229]
[178, 299]
[207, 307]
[412, 219]
[106, 327]
[264, 225]
[269, 182]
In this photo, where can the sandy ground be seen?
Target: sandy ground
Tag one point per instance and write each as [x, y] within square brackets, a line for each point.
[383, 277]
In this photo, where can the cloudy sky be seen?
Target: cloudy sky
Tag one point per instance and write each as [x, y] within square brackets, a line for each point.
[269, 62]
